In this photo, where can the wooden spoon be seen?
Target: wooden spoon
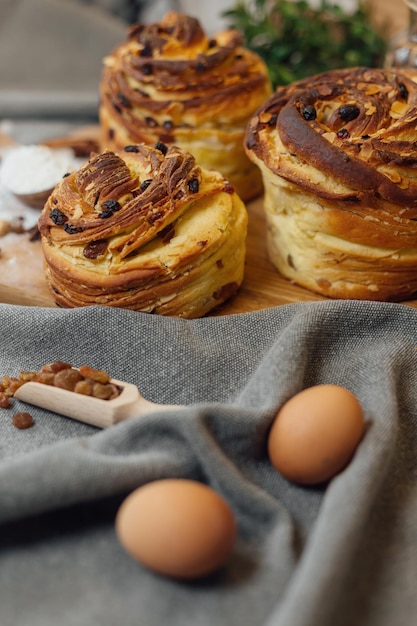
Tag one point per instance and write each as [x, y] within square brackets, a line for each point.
[95, 411]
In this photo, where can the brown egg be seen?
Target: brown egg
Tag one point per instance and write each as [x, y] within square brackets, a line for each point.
[177, 527]
[315, 434]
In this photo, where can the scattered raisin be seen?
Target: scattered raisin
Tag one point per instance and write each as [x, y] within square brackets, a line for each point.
[94, 249]
[161, 147]
[146, 50]
[26, 377]
[105, 214]
[58, 217]
[193, 185]
[145, 184]
[403, 91]
[67, 379]
[154, 217]
[99, 376]
[112, 205]
[228, 188]
[343, 133]
[56, 366]
[349, 112]
[72, 230]
[151, 122]
[168, 125]
[123, 100]
[22, 420]
[9, 385]
[131, 148]
[104, 392]
[309, 113]
[84, 387]
[4, 400]
[46, 378]
[147, 69]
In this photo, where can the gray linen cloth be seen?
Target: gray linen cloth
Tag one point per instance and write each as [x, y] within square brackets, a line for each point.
[339, 554]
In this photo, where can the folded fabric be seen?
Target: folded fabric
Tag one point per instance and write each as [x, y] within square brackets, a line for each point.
[336, 554]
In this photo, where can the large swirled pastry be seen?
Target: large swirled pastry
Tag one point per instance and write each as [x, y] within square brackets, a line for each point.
[144, 229]
[169, 82]
[339, 162]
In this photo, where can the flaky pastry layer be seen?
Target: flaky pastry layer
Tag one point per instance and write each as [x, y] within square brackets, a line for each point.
[339, 162]
[144, 229]
[170, 82]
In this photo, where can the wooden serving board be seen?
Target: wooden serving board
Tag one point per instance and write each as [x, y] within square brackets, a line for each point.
[263, 287]
[22, 280]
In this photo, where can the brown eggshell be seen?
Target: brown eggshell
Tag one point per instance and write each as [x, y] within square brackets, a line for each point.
[177, 527]
[315, 434]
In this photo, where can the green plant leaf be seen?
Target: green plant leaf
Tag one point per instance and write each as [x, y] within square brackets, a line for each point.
[296, 40]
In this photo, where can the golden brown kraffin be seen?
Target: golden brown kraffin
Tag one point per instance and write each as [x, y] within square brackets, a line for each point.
[169, 82]
[339, 162]
[144, 229]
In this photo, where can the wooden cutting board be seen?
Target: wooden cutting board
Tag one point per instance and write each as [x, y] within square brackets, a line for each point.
[22, 280]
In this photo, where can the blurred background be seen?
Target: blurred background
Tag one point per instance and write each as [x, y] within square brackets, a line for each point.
[51, 51]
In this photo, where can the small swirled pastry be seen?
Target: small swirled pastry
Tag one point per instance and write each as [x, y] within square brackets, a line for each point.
[169, 82]
[339, 161]
[144, 229]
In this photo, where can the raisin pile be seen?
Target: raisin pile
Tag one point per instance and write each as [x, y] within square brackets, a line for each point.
[85, 380]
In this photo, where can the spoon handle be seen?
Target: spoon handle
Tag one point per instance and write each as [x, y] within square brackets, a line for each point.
[95, 411]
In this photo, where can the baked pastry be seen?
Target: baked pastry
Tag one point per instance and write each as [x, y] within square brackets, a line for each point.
[169, 82]
[338, 157]
[144, 229]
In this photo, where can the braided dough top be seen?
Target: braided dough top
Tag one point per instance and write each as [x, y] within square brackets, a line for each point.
[171, 74]
[347, 135]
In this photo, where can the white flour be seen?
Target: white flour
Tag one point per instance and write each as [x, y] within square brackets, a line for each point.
[33, 168]
[21, 260]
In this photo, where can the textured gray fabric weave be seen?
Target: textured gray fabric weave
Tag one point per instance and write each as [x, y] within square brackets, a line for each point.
[342, 554]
